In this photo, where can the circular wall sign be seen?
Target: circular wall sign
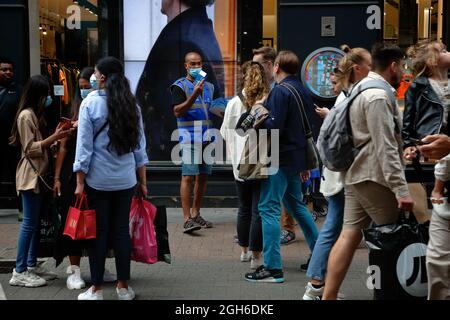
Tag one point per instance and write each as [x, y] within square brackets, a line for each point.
[317, 69]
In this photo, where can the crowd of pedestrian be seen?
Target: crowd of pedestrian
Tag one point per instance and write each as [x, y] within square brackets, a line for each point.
[103, 154]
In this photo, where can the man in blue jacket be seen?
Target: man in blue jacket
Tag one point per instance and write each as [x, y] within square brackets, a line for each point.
[285, 185]
[188, 30]
[191, 102]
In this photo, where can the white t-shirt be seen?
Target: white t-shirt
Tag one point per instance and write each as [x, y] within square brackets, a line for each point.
[235, 143]
[332, 182]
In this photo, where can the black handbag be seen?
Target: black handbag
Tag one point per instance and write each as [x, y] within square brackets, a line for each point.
[162, 235]
[399, 251]
[312, 154]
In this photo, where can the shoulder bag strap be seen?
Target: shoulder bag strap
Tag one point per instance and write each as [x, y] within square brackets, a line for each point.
[101, 129]
[37, 172]
[306, 126]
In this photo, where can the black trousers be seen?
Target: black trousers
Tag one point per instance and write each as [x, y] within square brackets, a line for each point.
[249, 226]
[113, 215]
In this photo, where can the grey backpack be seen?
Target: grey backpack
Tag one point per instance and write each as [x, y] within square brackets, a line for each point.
[335, 143]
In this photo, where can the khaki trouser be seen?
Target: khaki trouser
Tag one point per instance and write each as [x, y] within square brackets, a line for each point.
[369, 201]
[438, 259]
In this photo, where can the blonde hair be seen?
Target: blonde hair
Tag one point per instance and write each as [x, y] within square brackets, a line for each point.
[255, 83]
[425, 57]
[344, 72]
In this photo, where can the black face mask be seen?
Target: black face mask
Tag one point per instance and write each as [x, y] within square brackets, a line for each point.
[6, 82]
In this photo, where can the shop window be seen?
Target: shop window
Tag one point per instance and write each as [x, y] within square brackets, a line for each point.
[69, 41]
[391, 19]
[430, 19]
[155, 44]
[270, 23]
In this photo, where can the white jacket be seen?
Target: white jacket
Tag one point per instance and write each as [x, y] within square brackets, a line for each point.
[332, 182]
[235, 143]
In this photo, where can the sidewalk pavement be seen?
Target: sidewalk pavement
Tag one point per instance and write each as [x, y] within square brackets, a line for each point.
[205, 266]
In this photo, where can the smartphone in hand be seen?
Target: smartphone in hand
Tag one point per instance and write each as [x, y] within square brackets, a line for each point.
[65, 123]
[418, 142]
[201, 76]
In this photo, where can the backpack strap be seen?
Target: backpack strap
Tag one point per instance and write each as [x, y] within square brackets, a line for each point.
[241, 96]
[375, 84]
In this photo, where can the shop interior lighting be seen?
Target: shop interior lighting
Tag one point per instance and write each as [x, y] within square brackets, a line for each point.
[92, 9]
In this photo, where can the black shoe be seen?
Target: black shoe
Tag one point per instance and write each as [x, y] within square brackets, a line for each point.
[191, 226]
[202, 222]
[287, 237]
[262, 274]
[304, 267]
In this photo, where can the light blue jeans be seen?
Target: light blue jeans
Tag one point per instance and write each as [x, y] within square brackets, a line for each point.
[329, 233]
[285, 186]
[29, 231]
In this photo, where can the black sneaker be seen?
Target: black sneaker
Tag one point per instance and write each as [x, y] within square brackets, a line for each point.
[262, 274]
[202, 222]
[191, 226]
[304, 267]
[287, 237]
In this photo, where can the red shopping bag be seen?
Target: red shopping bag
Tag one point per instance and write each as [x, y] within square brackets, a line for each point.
[81, 223]
[142, 231]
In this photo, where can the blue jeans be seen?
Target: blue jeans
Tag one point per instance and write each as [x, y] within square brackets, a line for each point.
[327, 237]
[29, 231]
[285, 186]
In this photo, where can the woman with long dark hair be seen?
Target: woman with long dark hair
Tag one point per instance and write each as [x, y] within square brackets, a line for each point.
[110, 150]
[64, 188]
[28, 133]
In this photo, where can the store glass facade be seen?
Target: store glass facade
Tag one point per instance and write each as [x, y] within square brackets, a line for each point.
[65, 37]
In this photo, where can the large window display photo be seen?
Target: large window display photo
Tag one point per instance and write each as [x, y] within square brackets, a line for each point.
[157, 36]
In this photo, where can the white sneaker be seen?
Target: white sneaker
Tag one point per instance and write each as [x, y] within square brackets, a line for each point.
[124, 294]
[313, 293]
[74, 281]
[316, 294]
[43, 273]
[90, 295]
[255, 263]
[109, 277]
[246, 256]
[26, 279]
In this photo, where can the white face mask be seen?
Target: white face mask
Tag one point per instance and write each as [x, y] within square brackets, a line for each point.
[85, 92]
[94, 82]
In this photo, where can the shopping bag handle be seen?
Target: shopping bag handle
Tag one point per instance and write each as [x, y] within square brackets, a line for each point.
[81, 200]
[411, 217]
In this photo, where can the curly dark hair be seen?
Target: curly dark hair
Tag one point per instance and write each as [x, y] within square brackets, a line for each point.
[123, 117]
[198, 3]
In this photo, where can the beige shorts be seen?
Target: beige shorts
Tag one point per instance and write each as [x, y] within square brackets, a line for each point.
[369, 201]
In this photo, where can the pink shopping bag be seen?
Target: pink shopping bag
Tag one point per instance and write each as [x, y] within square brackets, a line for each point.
[142, 231]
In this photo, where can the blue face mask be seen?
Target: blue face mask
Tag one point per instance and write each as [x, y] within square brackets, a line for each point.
[94, 82]
[194, 72]
[48, 102]
[85, 92]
